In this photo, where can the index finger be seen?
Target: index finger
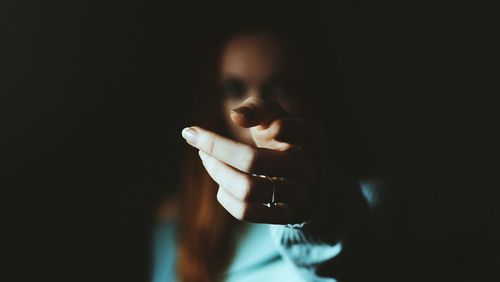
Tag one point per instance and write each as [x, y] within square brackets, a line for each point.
[254, 111]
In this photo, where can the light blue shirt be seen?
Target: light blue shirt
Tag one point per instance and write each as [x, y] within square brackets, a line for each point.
[256, 258]
[344, 240]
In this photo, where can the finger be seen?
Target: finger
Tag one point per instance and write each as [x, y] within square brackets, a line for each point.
[254, 112]
[282, 134]
[256, 213]
[242, 186]
[241, 156]
[249, 188]
[234, 153]
[290, 130]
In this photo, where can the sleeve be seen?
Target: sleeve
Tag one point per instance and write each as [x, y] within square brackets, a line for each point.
[343, 240]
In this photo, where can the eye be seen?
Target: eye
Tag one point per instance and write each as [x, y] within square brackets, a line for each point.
[233, 88]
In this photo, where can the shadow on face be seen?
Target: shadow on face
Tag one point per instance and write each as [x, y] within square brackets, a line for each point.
[258, 65]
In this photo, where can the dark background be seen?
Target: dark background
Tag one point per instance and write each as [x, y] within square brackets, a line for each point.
[93, 98]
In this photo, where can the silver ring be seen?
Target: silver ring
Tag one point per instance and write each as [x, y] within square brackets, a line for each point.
[273, 202]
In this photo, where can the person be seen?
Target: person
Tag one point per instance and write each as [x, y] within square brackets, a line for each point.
[278, 182]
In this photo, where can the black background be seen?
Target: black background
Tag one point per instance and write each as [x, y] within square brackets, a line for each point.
[93, 98]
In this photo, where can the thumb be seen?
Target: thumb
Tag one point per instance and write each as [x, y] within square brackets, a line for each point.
[253, 112]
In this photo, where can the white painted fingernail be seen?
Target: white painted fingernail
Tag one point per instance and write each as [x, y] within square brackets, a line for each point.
[190, 134]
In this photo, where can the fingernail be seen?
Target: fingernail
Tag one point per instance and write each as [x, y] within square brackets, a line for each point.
[236, 115]
[190, 134]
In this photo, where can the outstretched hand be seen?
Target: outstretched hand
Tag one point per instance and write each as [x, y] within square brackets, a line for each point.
[275, 181]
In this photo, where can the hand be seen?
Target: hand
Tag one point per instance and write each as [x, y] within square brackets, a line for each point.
[284, 163]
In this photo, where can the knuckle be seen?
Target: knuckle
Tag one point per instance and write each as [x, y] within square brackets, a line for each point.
[243, 212]
[238, 210]
[219, 195]
[216, 173]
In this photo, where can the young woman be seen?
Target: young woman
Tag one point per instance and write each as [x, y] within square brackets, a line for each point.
[280, 185]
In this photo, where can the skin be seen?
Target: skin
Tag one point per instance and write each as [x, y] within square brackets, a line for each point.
[259, 105]
[260, 66]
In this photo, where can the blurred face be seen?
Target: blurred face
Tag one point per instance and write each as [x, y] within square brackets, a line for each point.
[258, 65]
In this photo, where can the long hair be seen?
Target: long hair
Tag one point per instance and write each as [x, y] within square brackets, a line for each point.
[207, 231]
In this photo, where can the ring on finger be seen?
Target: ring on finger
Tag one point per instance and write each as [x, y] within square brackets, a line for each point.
[273, 202]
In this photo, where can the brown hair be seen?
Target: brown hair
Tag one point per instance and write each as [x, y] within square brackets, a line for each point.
[206, 229]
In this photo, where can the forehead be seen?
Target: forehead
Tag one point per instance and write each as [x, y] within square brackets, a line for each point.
[254, 56]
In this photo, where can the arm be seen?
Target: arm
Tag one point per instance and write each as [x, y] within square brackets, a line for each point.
[339, 237]
[349, 238]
